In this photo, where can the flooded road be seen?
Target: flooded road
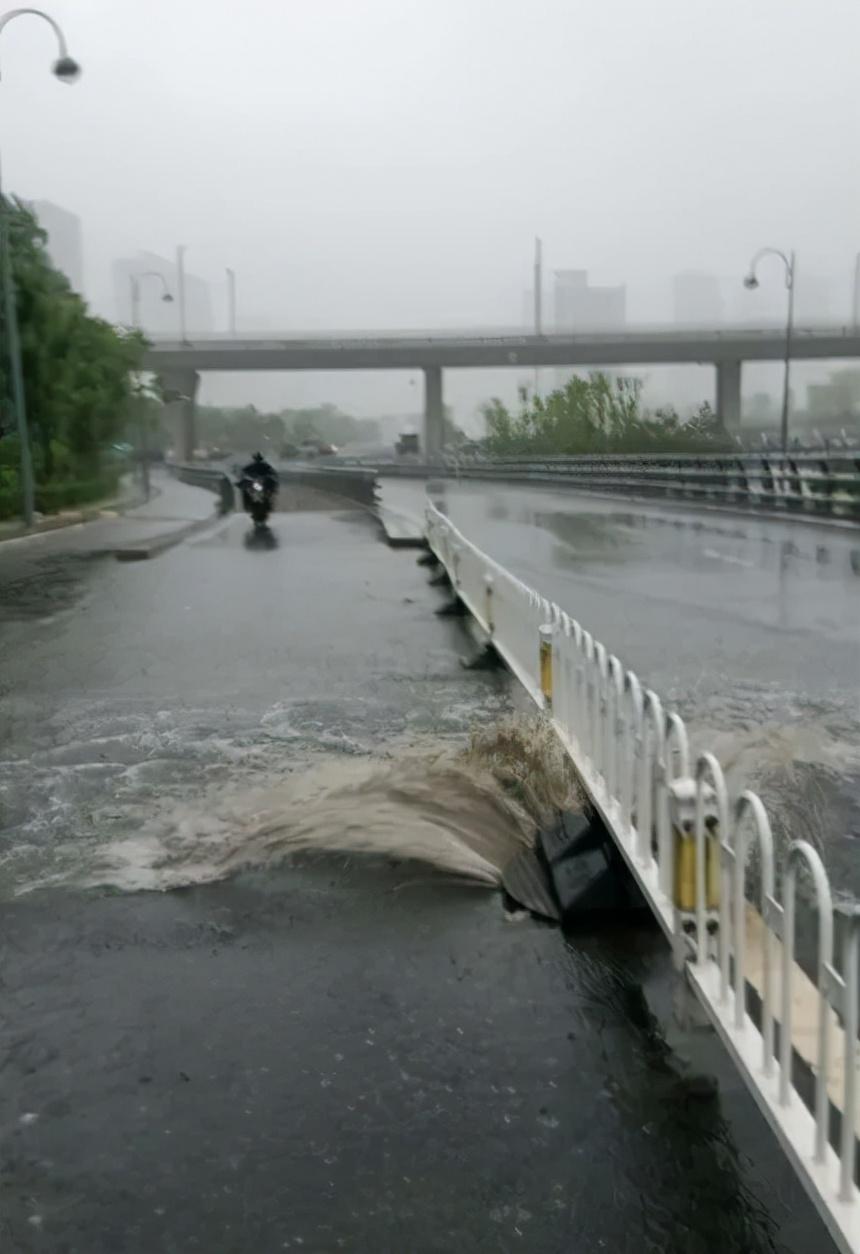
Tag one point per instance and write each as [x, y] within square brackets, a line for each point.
[748, 627]
[356, 1050]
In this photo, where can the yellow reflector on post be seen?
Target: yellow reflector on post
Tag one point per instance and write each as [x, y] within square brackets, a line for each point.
[546, 633]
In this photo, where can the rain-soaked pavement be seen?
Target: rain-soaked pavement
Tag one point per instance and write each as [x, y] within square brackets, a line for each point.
[747, 626]
[342, 1054]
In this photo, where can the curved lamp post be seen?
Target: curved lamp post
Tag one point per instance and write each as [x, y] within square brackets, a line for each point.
[66, 70]
[134, 280]
[751, 281]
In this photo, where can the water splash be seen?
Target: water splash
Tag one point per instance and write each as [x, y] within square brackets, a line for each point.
[462, 811]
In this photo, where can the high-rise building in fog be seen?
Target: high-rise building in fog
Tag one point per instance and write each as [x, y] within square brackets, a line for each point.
[697, 299]
[65, 241]
[156, 314]
[578, 306]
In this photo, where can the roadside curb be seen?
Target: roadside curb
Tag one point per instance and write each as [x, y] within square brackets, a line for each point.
[77, 518]
[401, 530]
[142, 551]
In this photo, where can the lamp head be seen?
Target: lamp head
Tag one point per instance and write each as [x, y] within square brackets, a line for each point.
[67, 69]
[167, 298]
[751, 282]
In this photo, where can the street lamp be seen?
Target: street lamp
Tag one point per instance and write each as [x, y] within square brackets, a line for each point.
[134, 280]
[66, 70]
[231, 300]
[180, 289]
[751, 282]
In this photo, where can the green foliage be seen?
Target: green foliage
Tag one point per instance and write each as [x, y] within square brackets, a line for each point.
[596, 415]
[77, 368]
[246, 429]
[51, 497]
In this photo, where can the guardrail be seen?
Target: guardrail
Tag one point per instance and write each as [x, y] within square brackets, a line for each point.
[215, 480]
[687, 846]
[805, 484]
[354, 483]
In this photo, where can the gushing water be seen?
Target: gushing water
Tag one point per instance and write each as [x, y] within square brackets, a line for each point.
[462, 812]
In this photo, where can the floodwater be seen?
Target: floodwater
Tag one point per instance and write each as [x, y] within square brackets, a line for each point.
[747, 627]
[322, 1031]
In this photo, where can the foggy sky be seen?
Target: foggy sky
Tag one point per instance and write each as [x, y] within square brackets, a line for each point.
[387, 163]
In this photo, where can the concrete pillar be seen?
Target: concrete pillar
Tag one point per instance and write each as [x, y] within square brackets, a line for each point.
[180, 395]
[434, 412]
[729, 394]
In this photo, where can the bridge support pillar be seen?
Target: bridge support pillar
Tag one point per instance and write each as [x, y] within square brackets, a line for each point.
[729, 394]
[179, 388]
[434, 412]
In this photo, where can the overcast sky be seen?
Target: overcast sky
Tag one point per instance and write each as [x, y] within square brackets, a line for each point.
[387, 163]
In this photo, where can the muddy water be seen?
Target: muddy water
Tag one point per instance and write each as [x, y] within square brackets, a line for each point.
[460, 811]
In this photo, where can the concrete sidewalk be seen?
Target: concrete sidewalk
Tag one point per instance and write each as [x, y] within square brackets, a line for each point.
[143, 530]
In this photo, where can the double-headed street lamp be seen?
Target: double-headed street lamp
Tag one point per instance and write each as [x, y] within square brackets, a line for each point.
[751, 281]
[134, 280]
[67, 70]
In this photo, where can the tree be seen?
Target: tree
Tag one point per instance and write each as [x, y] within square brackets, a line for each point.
[595, 415]
[77, 368]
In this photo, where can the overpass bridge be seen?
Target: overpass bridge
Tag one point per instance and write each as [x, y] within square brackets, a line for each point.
[180, 363]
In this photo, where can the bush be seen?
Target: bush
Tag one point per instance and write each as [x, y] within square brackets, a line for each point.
[597, 415]
[53, 497]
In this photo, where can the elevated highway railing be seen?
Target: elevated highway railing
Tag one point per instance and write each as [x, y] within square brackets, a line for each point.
[688, 846]
[815, 485]
[356, 483]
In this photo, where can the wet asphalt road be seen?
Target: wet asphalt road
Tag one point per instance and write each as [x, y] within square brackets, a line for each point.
[333, 1056]
[748, 627]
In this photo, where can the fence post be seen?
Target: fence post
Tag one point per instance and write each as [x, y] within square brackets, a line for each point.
[850, 913]
[546, 633]
[488, 604]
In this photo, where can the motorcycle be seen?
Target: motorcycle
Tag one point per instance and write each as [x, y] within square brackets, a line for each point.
[258, 501]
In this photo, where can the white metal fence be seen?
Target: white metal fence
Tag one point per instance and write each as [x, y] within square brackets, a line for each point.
[687, 845]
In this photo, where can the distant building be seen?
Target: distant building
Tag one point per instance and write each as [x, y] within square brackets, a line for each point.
[65, 241]
[156, 314]
[577, 306]
[697, 299]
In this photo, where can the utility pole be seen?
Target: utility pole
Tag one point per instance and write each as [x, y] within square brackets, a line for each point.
[180, 289]
[66, 69]
[10, 310]
[231, 301]
[538, 294]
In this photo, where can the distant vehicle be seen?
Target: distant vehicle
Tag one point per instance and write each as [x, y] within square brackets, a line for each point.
[316, 448]
[408, 444]
[290, 450]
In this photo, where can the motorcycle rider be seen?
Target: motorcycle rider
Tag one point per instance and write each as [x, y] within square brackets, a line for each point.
[258, 468]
